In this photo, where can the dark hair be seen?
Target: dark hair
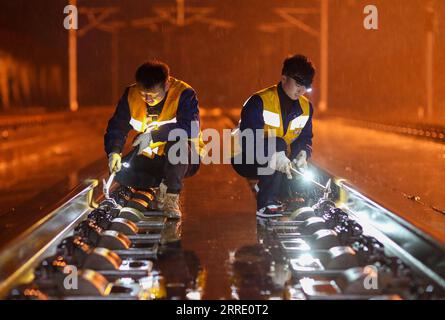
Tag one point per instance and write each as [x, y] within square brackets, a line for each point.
[300, 68]
[152, 73]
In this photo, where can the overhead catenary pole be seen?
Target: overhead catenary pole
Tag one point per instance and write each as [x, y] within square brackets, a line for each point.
[180, 19]
[72, 65]
[429, 63]
[324, 58]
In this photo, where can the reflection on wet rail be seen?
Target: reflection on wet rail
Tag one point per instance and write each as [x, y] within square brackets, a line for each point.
[344, 247]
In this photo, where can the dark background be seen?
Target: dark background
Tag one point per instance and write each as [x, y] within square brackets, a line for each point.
[373, 74]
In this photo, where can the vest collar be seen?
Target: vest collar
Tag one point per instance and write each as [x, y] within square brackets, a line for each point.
[286, 100]
[283, 94]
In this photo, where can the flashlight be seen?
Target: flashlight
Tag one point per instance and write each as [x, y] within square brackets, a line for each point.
[308, 176]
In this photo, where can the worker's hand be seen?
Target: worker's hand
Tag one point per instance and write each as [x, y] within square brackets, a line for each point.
[283, 164]
[143, 141]
[114, 162]
[300, 161]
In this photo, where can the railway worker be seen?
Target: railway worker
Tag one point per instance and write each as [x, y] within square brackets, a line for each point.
[154, 106]
[282, 113]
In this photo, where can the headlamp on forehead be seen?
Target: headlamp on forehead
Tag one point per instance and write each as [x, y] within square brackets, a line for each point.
[299, 79]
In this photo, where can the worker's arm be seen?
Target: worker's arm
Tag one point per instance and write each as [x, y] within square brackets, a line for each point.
[118, 126]
[252, 114]
[187, 113]
[304, 140]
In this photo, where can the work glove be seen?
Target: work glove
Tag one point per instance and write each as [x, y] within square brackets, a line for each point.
[283, 164]
[114, 162]
[300, 161]
[143, 141]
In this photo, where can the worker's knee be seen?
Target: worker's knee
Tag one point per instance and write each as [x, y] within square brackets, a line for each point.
[181, 152]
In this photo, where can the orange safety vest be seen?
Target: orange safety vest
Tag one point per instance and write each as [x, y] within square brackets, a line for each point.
[140, 121]
[273, 122]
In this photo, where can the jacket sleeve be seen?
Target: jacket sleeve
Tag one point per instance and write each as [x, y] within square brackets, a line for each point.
[187, 113]
[118, 126]
[252, 118]
[304, 140]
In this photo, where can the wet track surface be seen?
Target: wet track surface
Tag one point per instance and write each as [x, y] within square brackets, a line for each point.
[392, 169]
[216, 220]
[224, 252]
[219, 217]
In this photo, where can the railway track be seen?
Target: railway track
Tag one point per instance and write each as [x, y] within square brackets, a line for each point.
[344, 246]
[432, 132]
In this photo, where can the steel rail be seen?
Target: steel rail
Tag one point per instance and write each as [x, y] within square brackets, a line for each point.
[404, 240]
[24, 253]
[401, 238]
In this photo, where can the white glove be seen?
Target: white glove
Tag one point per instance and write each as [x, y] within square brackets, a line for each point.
[283, 164]
[114, 162]
[300, 161]
[143, 141]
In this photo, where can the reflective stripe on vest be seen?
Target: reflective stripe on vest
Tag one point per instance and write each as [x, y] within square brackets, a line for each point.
[272, 119]
[272, 115]
[141, 123]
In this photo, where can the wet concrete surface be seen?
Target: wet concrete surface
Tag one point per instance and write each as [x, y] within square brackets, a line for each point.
[219, 217]
[390, 168]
